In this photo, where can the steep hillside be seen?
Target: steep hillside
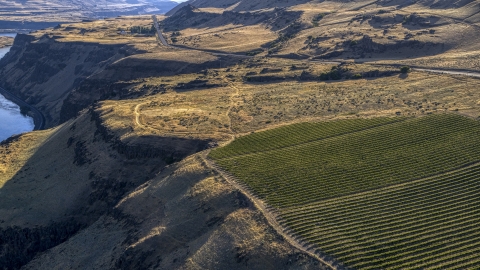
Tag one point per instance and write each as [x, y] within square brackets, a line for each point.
[120, 193]
[238, 6]
[30, 67]
[49, 197]
[44, 67]
[251, 5]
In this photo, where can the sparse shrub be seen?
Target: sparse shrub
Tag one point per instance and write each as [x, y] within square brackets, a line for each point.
[407, 19]
[317, 19]
[336, 73]
[405, 69]
[357, 76]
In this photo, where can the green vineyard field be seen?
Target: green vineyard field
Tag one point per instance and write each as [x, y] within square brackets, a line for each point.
[386, 193]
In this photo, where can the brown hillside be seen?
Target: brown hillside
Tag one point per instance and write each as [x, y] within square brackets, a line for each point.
[426, 32]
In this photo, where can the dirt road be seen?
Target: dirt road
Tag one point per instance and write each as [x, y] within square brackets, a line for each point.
[450, 72]
[160, 36]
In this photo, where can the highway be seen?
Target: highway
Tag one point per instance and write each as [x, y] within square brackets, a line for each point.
[160, 36]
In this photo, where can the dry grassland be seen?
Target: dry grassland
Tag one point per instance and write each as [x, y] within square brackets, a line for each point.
[6, 41]
[229, 38]
[240, 106]
[24, 148]
[107, 32]
[425, 34]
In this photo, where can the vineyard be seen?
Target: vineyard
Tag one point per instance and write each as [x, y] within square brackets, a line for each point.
[373, 194]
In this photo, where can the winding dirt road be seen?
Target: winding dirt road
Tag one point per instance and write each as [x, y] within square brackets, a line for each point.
[449, 72]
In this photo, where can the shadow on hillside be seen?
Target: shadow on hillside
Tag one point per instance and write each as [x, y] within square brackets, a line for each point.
[115, 81]
[75, 177]
[191, 17]
[239, 6]
[412, 22]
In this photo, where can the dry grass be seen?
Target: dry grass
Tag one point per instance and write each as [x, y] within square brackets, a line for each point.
[241, 107]
[6, 41]
[108, 31]
[229, 38]
[15, 155]
[421, 34]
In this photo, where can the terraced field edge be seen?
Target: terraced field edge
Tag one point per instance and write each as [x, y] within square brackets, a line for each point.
[416, 179]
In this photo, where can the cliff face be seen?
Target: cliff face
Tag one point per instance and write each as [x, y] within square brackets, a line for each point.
[43, 71]
[69, 177]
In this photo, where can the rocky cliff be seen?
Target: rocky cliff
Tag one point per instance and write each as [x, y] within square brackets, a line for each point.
[43, 71]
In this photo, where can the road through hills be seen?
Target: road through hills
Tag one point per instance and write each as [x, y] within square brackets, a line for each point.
[162, 41]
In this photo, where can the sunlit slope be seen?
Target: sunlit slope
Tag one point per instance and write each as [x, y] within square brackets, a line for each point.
[401, 193]
[304, 172]
[421, 33]
[427, 224]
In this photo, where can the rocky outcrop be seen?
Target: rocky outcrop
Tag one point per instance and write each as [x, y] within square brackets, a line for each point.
[43, 71]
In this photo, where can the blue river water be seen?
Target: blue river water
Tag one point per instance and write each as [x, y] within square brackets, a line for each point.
[11, 120]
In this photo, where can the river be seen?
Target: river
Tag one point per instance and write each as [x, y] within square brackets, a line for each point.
[11, 120]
